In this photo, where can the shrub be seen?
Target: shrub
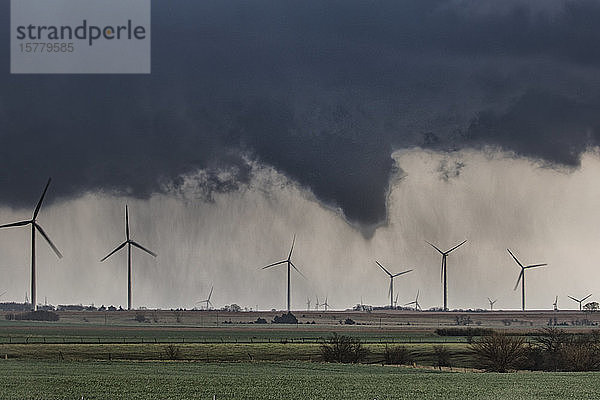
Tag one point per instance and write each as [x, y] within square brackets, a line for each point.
[172, 352]
[581, 353]
[349, 321]
[500, 352]
[260, 320]
[442, 356]
[343, 349]
[140, 316]
[288, 318]
[398, 355]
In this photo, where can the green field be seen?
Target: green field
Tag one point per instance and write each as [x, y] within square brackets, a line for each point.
[285, 380]
[60, 332]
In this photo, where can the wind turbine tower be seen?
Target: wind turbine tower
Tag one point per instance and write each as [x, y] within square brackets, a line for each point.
[492, 303]
[580, 301]
[129, 243]
[416, 302]
[290, 265]
[444, 273]
[35, 227]
[392, 276]
[207, 302]
[522, 276]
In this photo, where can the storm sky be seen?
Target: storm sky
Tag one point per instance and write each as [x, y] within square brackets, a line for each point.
[364, 127]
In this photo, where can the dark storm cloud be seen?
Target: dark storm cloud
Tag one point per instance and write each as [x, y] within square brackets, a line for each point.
[323, 91]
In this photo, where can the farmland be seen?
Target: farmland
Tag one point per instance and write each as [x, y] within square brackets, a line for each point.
[196, 354]
[284, 380]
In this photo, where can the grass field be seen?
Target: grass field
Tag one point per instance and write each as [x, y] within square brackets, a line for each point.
[460, 354]
[101, 356]
[285, 380]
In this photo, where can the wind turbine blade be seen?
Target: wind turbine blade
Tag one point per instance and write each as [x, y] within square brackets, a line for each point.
[274, 264]
[292, 249]
[402, 273]
[210, 294]
[114, 251]
[139, 246]
[536, 265]
[3, 293]
[21, 223]
[126, 222]
[513, 256]
[573, 298]
[39, 228]
[417, 296]
[586, 297]
[456, 247]
[39, 204]
[490, 300]
[432, 245]
[519, 280]
[383, 268]
[412, 302]
[297, 270]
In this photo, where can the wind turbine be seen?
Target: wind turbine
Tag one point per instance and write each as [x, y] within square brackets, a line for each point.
[290, 264]
[492, 302]
[580, 301]
[317, 304]
[35, 227]
[325, 305]
[308, 304]
[207, 302]
[392, 276]
[416, 302]
[522, 276]
[555, 304]
[128, 242]
[444, 269]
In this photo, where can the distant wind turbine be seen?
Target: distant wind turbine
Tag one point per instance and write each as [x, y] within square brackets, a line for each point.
[580, 301]
[207, 302]
[555, 304]
[290, 264]
[522, 276]
[128, 242]
[392, 276]
[317, 304]
[325, 305]
[444, 273]
[35, 227]
[492, 302]
[308, 304]
[416, 302]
